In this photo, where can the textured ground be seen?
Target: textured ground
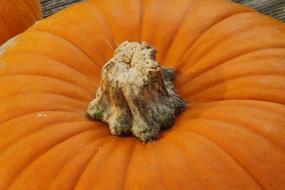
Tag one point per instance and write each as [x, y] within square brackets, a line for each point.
[275, 8]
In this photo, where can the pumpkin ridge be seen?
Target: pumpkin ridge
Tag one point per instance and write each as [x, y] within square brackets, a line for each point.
[70, 42]
[36, 127]
[231, 79]
[228, 37]
[227, 63]
[249, 103]
[189, 47]
[238, 126]
[173, 36]
[89, 164]
[197, 74]
[92, 145]
[36, 112]
[19, 67]
[159, 167]
[85, 96]
[274, 138]
[230, 155]
[105, 21]
[37, 13]
[47, 76]
[66, 64]
[128, 166]
[79, 105]
[58, 142]
[40, 129]
[47, 93]
[31, 10]
[39, 155]
[96, 138]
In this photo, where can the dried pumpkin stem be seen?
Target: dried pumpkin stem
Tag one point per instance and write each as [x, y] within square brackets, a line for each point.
[136, 95]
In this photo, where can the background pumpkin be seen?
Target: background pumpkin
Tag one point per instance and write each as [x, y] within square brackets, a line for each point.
[230, 70]
[16, 16]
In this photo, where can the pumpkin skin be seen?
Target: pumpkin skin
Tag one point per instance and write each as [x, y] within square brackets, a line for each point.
[230, 68]
[16, 16]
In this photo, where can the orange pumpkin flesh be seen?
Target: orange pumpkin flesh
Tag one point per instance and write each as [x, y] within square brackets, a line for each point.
[16, 16]
[230, 69]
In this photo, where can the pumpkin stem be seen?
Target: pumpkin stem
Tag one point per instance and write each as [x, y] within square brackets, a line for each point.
[136, 95]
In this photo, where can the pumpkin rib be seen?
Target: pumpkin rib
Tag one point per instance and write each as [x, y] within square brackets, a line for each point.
[259, 172]
[105, 21]
[74, 161]
[44, 110]
[30, 162]
[35, 10]
[31, 133]
[19, 67]
[235, 90]
[67, 152]
[56, 79]
[240, 126]
[128, 166]
[250, 128]
[144, 173]
[89, 164]
[46, 76]
[159, 167]
[70, 42]
[39, 96]
[173, 169]
[56, 143]
[118, 162]
[31, 10]
[235, 159]
[40, 111]
[13, 54]
[232, 63]
[6, 128]
[197, 74]
[45, 93]
[62, 82]
[204, 142]
[179, 83]
[173, 36]
[247, 123]
[258, 104]
[80, 62]
[216, 83]
[189, 49]
[71, 88]
[228, 36]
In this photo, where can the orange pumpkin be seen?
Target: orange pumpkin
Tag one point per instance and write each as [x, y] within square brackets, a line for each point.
[230, 69]
[16, 16]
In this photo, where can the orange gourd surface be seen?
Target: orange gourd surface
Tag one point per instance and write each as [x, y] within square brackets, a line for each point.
[16, 16]
[230, 69]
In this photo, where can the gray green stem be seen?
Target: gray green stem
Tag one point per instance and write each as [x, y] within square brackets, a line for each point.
[136, 95]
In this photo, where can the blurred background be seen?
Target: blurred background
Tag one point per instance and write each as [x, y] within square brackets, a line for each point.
[274, 8]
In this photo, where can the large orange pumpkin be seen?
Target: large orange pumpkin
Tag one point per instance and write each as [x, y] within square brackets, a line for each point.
[230, 69]
[16, 16]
